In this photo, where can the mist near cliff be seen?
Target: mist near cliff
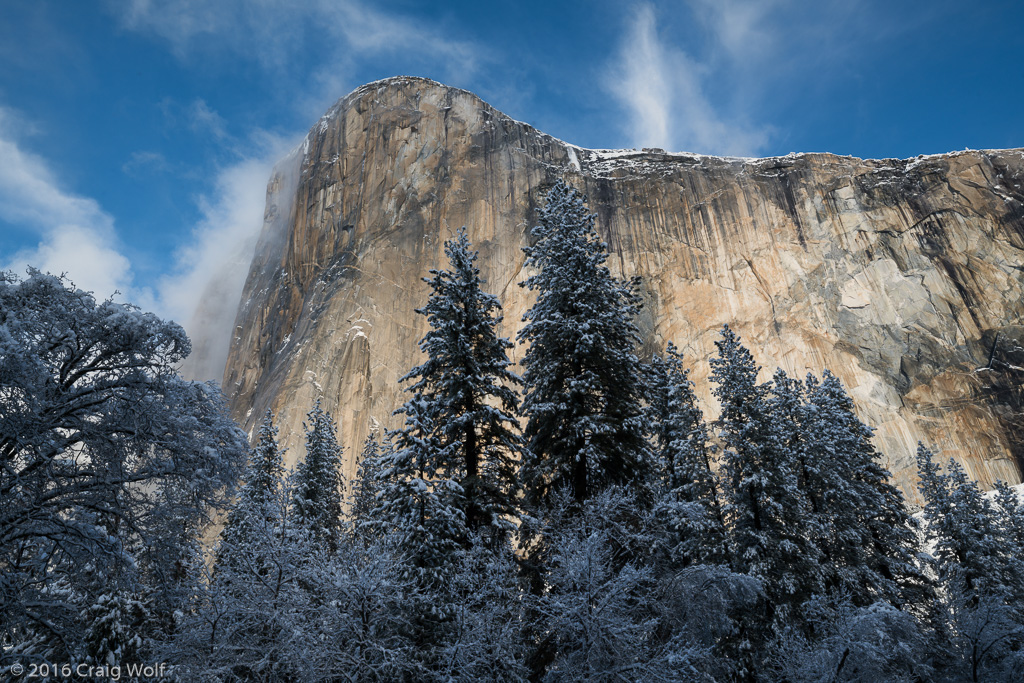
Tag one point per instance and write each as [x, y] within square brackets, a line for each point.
[204, 292]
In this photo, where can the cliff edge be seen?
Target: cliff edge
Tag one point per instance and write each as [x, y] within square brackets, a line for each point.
[903, 277]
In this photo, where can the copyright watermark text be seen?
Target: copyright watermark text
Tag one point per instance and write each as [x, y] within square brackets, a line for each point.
[89, 671]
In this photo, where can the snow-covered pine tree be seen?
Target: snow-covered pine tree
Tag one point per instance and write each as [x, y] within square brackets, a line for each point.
[256, 505]
[420, 510]
[419, 503]
[318, 484]
[256, 617]
[466, 384]
[365, 487]
[766, 512]
[866, 534]
[112, 630]
[691, 505]
[584, 382]
[961, 522]
[979, 629]
[1010, 519]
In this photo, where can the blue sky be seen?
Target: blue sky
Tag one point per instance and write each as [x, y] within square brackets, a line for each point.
[136, 136]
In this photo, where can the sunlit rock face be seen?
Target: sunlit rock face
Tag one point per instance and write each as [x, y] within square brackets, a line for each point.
[903, 277]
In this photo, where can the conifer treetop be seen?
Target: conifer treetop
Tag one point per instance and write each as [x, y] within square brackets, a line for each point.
[584, 382]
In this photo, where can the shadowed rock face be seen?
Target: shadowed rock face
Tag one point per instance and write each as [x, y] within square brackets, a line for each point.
[903, 277]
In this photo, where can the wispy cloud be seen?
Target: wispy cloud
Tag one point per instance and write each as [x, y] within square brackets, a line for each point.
[206, 284]
[145, 160]
[76, 236]
[203, 119]
[665, 93]
[277, 34]
[742, 29]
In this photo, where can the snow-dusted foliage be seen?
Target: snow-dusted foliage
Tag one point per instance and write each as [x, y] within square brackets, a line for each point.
[365, 487]
[109, 462]
[467, 387]
[419, 503]
[612, 612]
[979, 615]
[690, 500]
[584, 382]
[253, 616]
[646, 545]
[864, 644]
[961, 523]
[318, 484]
[115, 623]
[257, 504]
[767, 513]
[867, 537]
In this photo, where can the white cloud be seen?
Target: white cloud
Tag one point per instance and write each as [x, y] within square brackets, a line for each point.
[78, 238]
[76, 235]
[279, 35]
[742, 29]
[90, 262]
[203, 291]
[202, 118]
[665, 92]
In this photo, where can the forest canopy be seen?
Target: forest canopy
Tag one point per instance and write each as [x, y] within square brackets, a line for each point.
[582, 521]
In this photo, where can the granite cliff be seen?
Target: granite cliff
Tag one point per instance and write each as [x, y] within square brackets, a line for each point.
[903, 277]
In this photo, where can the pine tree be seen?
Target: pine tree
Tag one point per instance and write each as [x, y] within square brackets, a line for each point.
[366, 486]
[256, 505]
[691, 505]
[584, 382]
[979, 628]
[419, 503]
[766, 512]
[962, 525]
[318, 484]
[466, 384]
[1009, 517]
[867, 536]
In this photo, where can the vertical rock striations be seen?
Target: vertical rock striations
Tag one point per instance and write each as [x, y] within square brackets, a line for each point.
[903, 277]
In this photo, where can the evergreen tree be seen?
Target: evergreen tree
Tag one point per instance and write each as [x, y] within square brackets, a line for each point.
[867, 537]
[256, 617]
[318, 484]
[419, 502]
[256, 503]
[1009, 517]
[112, 626]
[766, 512]
[467, 385]
[691, 505]
[366, 486]
[961, 523]
[979, 627]
[584, 382]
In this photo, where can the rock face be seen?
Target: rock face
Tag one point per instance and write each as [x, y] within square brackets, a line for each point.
[903, 277]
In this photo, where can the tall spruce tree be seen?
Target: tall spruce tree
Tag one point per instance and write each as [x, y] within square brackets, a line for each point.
[420, 503]
[257, 504]
[467, 387]
[961, 522]
[584, 382]
[1009, 515]
[365, 487]
[691, 502]
[978, 621]
[318, 484]
[867, 537]
[766, 512]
